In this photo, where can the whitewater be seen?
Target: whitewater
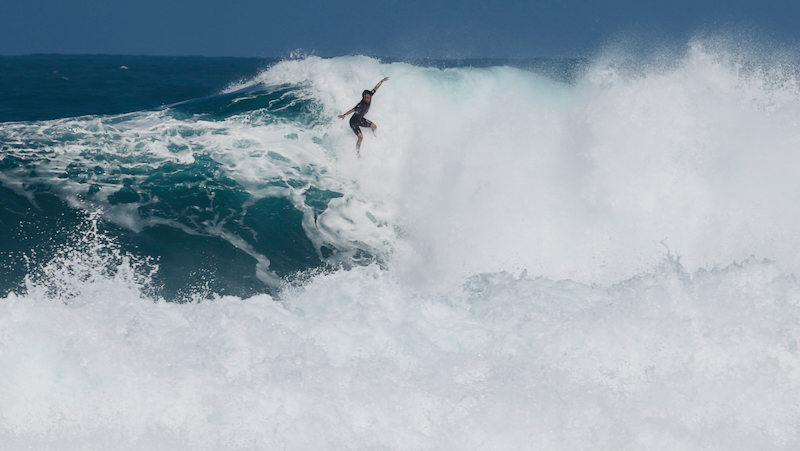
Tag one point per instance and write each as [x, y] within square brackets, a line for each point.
[516, 262]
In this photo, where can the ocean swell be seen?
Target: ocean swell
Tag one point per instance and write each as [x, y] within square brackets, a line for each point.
[515, 262]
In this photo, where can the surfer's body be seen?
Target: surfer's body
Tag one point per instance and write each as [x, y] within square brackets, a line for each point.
[359, 111]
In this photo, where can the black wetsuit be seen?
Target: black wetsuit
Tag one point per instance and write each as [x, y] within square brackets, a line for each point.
[358, 120]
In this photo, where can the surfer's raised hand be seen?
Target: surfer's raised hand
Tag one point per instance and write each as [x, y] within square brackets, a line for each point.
[379, 84]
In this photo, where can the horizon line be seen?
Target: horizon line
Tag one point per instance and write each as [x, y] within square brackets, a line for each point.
[289, 58]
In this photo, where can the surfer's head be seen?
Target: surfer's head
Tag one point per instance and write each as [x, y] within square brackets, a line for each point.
[366, 95]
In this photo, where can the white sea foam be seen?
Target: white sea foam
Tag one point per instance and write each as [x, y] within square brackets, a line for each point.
[354, 360]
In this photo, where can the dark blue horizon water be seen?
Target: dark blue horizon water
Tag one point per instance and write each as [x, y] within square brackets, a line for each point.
[44, 86]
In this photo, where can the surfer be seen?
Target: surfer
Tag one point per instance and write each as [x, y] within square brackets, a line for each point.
[358, 120]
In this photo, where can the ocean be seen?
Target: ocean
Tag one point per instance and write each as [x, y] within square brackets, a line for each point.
[550, 254]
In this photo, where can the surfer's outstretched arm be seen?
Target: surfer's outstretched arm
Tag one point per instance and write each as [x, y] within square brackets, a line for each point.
[342, 116]
[379, 85]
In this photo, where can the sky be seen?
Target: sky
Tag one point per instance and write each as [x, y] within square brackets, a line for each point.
[391, 28]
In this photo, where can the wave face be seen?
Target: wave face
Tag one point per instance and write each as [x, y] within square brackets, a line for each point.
[518, 261]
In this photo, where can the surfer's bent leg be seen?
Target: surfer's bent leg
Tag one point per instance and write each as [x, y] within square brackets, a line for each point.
[354, 125]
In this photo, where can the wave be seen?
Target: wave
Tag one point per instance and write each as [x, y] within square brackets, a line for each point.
[515, 262]
[471, 170]
[501, 169]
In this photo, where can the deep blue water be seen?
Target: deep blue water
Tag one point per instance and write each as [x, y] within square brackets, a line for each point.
[41, 87]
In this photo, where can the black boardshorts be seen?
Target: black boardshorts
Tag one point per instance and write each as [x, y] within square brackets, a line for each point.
[356, 122]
